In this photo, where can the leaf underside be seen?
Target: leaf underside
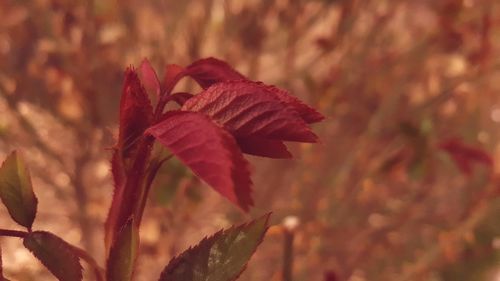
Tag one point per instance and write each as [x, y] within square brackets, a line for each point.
[209, 151]
[55, 254]
[264, 147]
[16, 190]
[221, 257]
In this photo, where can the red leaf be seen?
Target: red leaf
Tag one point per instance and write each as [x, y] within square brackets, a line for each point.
[149, 78]
[211, 70]
[466, 155]
[264, 147]
[181, 98]
[135, 115]
[307, 113]
[249, 109]
[210, 151]
[173, 73]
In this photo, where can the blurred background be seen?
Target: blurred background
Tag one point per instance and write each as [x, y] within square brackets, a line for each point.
[402, 187]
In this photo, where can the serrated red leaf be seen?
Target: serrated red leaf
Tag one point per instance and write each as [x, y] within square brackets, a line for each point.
[222, 257]
[149, 78]
[136, 114]
[55, 254]
[307, 113]
[209, 71]
[249, 109]
[209, 151]
[264, 147]
[465, 156]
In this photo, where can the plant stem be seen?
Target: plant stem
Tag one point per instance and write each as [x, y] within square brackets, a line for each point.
[13, 233]
[288, 255]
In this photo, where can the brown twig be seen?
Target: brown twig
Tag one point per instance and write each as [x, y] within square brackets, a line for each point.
[13, 233]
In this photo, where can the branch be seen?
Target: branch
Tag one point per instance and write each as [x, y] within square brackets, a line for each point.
[13, 233]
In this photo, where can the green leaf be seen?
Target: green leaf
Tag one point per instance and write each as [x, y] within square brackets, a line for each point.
[16, 190]
[120, 265]
[55, 254]
[221, 257]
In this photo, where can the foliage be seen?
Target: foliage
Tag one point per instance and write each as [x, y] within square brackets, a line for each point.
[202, 134]
[397, 80]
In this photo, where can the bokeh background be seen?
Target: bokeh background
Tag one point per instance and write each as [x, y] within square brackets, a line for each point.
[403, 185]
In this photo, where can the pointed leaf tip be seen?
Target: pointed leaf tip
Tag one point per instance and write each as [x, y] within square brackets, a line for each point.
[307, 113]
[16, 190]
[209, 151]
[221, 257]
[136, 114]
[55, 254]
[149, 78]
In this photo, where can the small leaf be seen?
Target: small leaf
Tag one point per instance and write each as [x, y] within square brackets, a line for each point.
[149, 78]
[120, 264]
[136, 114]
[173, 73]
[211, 70]
[55, 254]
[465, 156]
[249, 109]
[264, 147]
[16, 190]
[221, 257]
[209, 151]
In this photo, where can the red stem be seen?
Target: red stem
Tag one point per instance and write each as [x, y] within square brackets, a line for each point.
[165, 97]
[13, 233]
